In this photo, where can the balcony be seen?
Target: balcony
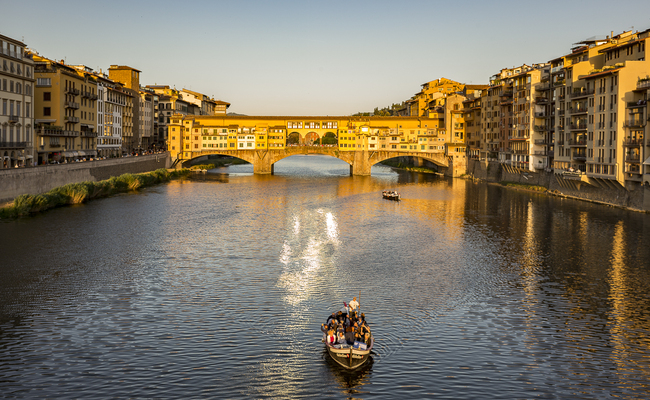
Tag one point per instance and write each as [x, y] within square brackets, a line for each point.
[13, 145]
[89, 95]
[13, 119]
[541, 100]
[582, 92]
[578, 142]
[579, 157]
[89, 133]
[540, 153]
[72, 104]
[560, 112]
[557, 69]
[74, 120]
[72, 91]
[633, 158]
[540, 115]
[578, 126]
[634, 123]
[580, 108]
[541, 142]
[57, 132]
[636, 104]
[539, 128]
[643, 84]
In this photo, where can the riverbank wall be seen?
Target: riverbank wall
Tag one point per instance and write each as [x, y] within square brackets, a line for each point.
[43, 178]
[557, 185]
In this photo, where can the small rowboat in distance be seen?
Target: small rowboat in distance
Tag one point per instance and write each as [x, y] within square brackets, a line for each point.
[391, 195]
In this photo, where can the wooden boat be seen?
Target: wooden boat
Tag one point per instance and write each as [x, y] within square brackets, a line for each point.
[391, 195]
[349, 357]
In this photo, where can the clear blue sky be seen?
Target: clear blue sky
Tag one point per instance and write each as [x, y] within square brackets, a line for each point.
[312, 57]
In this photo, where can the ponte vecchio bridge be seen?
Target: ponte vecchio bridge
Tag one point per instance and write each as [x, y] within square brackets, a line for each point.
[359, 141]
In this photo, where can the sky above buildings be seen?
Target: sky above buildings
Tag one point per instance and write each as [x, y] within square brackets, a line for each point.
[312, 57]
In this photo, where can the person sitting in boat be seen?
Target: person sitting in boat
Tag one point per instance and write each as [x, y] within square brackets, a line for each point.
[364, 333]
[362, 318]
[331, 338]
[349, 334]
[331, 318]
[340, 337]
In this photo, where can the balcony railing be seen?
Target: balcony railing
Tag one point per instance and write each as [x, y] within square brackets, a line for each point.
[72, 91]
[581, 93]
[57, 132]
[72, 119]
[540, 115]
[13, 119]
[634, 123]
[578, 126]
[541, 142]
[634, 104]
[557, 69]
[579, 108]
[539, 128]
[13, 145]
[89, 133]
[577, 142]
[632, 158]
[71, 104]
[643, 84]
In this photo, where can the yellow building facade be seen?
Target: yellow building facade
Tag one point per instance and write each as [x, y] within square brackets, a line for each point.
[190, 136]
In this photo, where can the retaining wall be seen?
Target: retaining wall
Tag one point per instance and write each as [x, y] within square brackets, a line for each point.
[493, 171]
[43, 178]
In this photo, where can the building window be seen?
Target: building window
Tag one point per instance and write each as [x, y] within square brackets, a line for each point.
[47, 111]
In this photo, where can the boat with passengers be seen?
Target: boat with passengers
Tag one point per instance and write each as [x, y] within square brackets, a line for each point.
[391, 195]
[348, 339]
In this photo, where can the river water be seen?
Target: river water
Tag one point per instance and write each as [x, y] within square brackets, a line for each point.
[216, 287]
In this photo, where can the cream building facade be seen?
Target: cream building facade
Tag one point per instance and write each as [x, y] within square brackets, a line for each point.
[17, 102]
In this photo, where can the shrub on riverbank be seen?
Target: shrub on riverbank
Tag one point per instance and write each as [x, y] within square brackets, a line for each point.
[535, 188]
[76, 193]
[203, 166]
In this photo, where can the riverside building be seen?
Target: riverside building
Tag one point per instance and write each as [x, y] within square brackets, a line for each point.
[602, 94]
[17, 102]
[65, 111]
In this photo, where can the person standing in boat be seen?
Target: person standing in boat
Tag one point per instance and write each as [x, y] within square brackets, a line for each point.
[354, 304]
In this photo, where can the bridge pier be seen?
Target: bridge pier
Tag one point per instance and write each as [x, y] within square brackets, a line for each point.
[361, 164]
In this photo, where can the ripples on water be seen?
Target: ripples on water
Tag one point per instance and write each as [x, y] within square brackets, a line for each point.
[216, 287]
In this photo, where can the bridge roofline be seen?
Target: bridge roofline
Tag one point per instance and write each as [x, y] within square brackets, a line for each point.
[303, 117]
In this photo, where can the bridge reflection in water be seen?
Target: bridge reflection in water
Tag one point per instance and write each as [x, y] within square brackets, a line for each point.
[359, 141]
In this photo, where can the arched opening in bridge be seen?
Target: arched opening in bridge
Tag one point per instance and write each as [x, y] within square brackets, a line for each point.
[327, 140]
[310, 138]
[412, 162]
[294, 138]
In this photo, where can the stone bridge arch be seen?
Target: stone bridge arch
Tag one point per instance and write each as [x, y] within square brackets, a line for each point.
[360, 162]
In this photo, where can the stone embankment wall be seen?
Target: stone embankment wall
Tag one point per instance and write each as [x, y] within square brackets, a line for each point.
[493, 171]
[43, 178]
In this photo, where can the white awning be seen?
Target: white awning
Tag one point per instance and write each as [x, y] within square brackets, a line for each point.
[81, 153]
[647, 161]
[29, 156]
[69, 154]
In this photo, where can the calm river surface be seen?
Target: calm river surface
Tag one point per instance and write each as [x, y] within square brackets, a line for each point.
[217, 287]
